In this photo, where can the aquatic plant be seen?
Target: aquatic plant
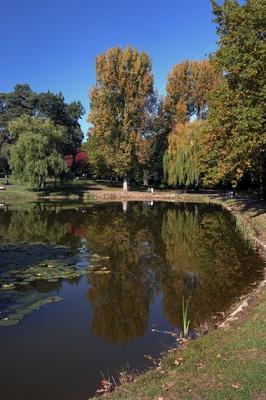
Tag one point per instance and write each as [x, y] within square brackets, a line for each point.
[19, 294]
[16, 305]
[186, 322]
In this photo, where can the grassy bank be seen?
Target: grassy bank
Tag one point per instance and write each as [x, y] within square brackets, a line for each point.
[225, 364]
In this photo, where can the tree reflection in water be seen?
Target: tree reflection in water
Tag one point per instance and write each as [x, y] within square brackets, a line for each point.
[121, 299]
[173, 249]
[190, 250]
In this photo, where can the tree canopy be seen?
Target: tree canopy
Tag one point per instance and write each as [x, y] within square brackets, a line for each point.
[234, 144]
[121, 106]
[36, 154]
[22, 101]
[229, 93]
[181, 159]
[188, 87]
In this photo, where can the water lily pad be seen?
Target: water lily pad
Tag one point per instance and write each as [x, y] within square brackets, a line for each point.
[18, 304]
[100, 272]
[8, 322]
[7, 286]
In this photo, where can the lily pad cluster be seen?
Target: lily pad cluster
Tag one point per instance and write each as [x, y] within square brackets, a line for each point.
[50, 271]
[19, 294]
[15, 305]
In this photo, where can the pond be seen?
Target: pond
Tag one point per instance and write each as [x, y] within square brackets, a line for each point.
[89, 289]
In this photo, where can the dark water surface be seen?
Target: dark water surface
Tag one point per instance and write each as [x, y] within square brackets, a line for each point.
[88, 289]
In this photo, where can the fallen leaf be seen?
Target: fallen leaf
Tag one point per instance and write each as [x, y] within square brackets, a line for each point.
[167, 386]
[236, 385]
[178, 361]
[200, 365]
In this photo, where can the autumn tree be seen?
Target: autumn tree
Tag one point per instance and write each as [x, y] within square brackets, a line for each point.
[37, 153]
[188, 87]
[121, 103]
[235, 139]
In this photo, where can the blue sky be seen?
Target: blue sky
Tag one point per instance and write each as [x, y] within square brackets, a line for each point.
[52, 44]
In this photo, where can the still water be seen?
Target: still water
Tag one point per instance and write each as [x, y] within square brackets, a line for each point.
[86, 290]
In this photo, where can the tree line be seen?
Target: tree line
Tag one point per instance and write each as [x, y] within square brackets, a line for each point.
[208, 130]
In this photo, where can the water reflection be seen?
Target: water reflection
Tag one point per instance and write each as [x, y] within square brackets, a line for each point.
[171, 250]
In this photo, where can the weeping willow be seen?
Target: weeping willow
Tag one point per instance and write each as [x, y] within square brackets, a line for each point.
[181, 159]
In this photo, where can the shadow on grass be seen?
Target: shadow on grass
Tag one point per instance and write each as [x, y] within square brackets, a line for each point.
[245, 203]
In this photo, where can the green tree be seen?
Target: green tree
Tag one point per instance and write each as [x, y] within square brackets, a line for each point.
[36, 155]
[160, 127]
[23, 101]
[96, 159]
[121, 104]
[12, 105]
[4, 135]
[181, 159]
[53, 106]
[235, 140]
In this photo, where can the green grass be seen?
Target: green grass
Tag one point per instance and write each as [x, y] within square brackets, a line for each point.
[224, 365]
[72, 189]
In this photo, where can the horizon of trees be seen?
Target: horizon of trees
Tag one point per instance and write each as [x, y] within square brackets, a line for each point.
[209, 129]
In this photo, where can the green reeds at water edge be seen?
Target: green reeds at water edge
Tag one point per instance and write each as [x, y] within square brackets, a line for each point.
[186, 322]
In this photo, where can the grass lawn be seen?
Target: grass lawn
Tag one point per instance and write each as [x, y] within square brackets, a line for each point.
[75, 187]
